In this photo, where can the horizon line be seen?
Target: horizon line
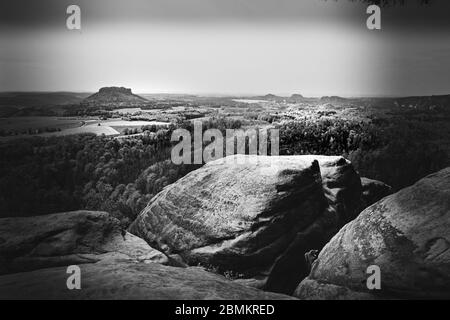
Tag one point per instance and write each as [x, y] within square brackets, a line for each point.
[239, 95]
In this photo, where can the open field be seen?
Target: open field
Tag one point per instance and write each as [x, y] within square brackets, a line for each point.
[58, 126]
[126, 123]
[96, 129]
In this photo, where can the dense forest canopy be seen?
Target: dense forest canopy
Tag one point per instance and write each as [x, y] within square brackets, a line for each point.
[44, 175]
[55, 174]
[396, 152]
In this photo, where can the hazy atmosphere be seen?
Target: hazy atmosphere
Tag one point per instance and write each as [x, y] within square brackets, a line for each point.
[232, 150]
[226, 47]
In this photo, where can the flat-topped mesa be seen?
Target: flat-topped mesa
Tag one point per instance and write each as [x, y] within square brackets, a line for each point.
[115, 90]
[253, 215]
[119, 96]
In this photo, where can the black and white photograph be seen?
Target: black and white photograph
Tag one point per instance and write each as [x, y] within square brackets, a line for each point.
[243, 151]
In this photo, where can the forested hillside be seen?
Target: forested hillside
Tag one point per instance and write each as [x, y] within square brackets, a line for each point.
[55, 174]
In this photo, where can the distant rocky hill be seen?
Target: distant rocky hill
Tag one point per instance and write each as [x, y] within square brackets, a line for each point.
[268, 97]
[333, 99]
[114, 96]
[296, 98]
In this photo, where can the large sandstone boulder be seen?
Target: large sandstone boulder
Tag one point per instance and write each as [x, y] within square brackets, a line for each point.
[374, 190]
[406, 234]
[253, 215]
[68, 238]
[127, 280]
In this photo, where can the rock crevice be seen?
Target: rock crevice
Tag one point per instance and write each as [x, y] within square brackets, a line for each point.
[405, 234]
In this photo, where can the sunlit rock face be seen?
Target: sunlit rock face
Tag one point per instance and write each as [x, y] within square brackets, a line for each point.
[253, 215]
[405, 234]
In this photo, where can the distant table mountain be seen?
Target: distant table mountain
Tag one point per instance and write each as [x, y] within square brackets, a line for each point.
[115, 95]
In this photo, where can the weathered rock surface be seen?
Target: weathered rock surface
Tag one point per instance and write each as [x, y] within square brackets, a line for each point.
[68, 238]
[406, 234]
[316, 290]
[373, 191]
[253, 215]
[127, 280]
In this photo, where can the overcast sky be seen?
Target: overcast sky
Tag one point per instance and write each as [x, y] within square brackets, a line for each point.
[311, 47]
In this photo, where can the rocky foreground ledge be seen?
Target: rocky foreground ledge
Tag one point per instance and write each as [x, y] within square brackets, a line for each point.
[254, 221]
[67, 238]
[114, 263]
[407, 235]
[129, 280]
